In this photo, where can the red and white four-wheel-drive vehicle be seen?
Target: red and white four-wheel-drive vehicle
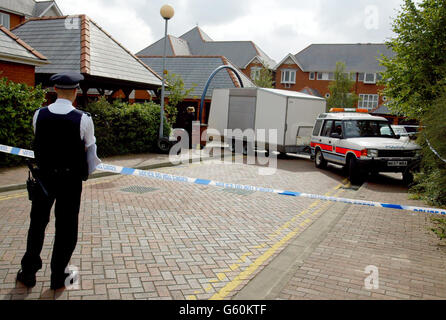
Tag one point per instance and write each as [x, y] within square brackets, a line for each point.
[363, 144]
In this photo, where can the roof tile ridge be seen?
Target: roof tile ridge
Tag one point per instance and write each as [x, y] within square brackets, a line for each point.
[171, 44]
[85, 45]
[230, 72]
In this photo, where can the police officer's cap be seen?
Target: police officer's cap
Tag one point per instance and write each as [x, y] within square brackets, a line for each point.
[67, 80]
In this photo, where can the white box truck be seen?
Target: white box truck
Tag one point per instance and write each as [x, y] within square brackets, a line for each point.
[292, 114]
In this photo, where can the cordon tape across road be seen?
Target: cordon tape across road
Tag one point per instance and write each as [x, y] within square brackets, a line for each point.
[169, 177]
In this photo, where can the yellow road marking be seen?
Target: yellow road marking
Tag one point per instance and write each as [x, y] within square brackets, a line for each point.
[314, 204]
[232, 285]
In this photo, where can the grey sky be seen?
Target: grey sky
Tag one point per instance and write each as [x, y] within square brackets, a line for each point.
[279, 27]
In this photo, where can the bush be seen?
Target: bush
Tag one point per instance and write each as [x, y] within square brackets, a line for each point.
[431, 181]
[18, 103]
[122, 128]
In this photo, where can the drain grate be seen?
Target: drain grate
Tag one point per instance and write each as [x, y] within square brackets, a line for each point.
[240, 192]
[139, 189]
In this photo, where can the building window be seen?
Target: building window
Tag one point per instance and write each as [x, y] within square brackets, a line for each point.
[361, 77]
[288, 76]
[370, 78]
[255, 73]
[4, 20]
[325, 76]
[312, 75]
[368, 101]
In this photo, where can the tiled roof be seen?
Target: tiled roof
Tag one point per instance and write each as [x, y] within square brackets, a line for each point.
[76, 43]
[15, 49]
[383, 109]
[195, 70]
[357, 57]
[198, 43]
[28, 8]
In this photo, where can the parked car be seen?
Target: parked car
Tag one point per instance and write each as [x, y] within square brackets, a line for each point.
[362, 143]
[406, 130]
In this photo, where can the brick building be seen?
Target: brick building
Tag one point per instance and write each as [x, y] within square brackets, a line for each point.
[313, 69]
[14, 12]
[18, 60]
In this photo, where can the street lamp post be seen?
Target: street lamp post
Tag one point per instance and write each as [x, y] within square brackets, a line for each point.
[167, 13]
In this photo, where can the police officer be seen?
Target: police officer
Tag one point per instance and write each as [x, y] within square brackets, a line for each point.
[62, 136]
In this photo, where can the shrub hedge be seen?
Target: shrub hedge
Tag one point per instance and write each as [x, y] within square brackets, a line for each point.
[18, 103]
[120, 128]
[123, 128]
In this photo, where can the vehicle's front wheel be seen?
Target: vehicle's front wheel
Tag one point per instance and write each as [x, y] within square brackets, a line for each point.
[408, 178]
[319, 160]
[354, 172]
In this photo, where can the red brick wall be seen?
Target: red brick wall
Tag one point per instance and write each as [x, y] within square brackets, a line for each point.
[303, 80]
[16, 72]
[247, 70]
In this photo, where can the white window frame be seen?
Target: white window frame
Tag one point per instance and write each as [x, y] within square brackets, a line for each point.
[370, 82]
[326, 76]
[368, 101]
[5, 20]
[312, 76]
[255, 73]
[291, 76]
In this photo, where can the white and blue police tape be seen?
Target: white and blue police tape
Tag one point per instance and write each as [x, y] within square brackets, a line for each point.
[205, 182]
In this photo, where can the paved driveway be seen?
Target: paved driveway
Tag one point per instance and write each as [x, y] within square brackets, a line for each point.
[148, 239]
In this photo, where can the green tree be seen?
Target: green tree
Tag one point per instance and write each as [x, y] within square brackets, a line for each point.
[431, 181]
[416, 74]
[176, 94]
[341, 95]
[265, 79]
[415, 79]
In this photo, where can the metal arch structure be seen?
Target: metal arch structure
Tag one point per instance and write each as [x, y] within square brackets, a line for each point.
[206, 87]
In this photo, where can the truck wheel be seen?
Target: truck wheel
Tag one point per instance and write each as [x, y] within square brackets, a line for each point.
[232, 146]
[319, 160]
[354, 173]
[408, 178]
[245, 148]
[164, 145]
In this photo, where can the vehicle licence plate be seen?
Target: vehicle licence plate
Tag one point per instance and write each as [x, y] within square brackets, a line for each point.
[396, 163]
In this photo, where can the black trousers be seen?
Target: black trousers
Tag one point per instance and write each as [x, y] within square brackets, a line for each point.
[66, 192]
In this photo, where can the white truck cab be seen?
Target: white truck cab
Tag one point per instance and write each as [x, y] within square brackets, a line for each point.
[362, 143]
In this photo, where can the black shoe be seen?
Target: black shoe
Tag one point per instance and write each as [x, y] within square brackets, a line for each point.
[28, 279]
[58, 282]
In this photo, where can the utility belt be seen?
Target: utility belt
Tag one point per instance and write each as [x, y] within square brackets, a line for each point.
[38, 178]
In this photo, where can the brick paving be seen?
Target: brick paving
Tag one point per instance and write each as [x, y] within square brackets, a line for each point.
[410, 259]
[178, 241]
[183, 241]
